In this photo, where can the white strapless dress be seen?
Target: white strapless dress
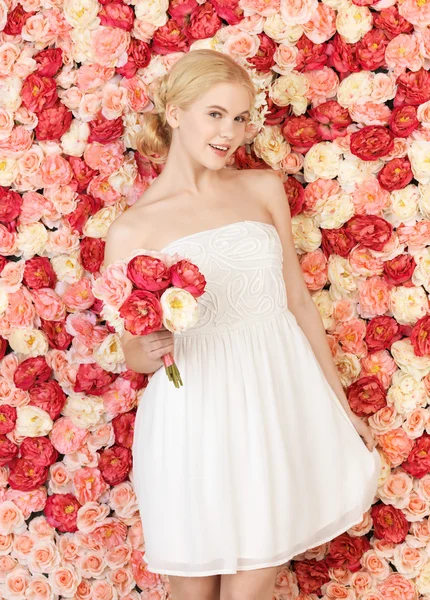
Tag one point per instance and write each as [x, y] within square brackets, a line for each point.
[253, 460]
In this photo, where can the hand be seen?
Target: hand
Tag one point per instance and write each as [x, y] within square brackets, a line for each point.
[157, 344]
[363, 430]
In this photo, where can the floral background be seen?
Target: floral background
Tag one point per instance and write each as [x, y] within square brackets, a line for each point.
[343, 117]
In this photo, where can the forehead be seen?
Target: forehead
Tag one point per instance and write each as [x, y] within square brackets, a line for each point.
[227, 95]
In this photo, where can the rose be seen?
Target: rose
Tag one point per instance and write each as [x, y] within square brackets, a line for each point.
[295, 194]
[403, 121]
[395, 174]
[371, 50]
[103, 130]
[38, 273]
[49, 61]
[263, 61]
[391, 22]
[337, 241]
[420, 336]
[123, 426]
[26, 476]
[370, 231]
[139, 56]
[56, 333]
[333, 119]
[117, 14]
[86, 207]
[93, 380]
[141, 312]
[148, 273]
[179, 309]
[53, 122]
[10, 205]
[342, 56]
[92, 253]
[61, 511]
[203, 22]
[16, 20]
[115, 463]
[389, 523]
[366, 396]
[311, 56]
[82, 173]
[229, 10]
[137, 380]
[418, 461]
[170, 38]
[301, 132]
[311, 575]
[185, 275]
[30, 371]
[275, 114]
[372, 142]
[245, 160]
[8, 418]
[413, 88]
[38, 92]
[8, 450]
[346, 551]
[39, 451]
[400, 269]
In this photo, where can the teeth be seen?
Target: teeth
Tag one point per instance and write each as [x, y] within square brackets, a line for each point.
[219, 147]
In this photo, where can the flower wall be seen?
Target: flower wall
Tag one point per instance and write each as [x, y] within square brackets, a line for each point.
[343, 116]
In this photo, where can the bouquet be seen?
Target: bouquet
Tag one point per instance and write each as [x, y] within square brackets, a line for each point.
[147, 291]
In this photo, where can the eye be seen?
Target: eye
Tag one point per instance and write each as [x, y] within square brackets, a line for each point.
[243, 119]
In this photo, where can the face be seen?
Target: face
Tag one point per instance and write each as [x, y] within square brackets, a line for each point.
[217, 118]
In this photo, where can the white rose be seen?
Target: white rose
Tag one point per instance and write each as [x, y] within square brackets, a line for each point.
[336, 4]
[306, 234]
[84, 411]
[4, 297]
[355, 89]
[75, 140]
[123, 180]
[322, 161]
[82, 49]
[279, 31]
[419, 155]
[98, 225]
[421, 274]
[353, 171]
[422, 582]
[8, 170]
[112, 316]
[403, 206]
[109, 354]
[405, 358]
[68, 267]
[80, 13]
[336, 211]
[291, 89]
[28, 341]
[406, 393]
[271, 146]
[31, 239]
[324, 304]
[132, 126]
[32, 421]
[348, 367]
[343, 282]
[10, 93]
[408, 304]
[424, 200]
[180, 309]
[152, 11]
[353, 22]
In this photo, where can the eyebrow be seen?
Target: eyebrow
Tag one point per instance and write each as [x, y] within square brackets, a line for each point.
[224, 110]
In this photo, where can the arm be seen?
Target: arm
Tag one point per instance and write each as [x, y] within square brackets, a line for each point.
[142, 353]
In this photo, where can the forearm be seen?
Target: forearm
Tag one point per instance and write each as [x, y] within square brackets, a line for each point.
[309, 320]
[137, 360]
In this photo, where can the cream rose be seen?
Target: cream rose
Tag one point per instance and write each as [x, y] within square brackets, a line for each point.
[32, 421]
[180, 309]
[322, 161]
[422, 582]
[355, 89]
[306, 234]
[123, 180]
[28, 341]
[84, 411]
[336, 211]
[112, 316]
[3, 300]
[151, 11]
[424, 200]
[31, 239]
[324, 304]
[353, 22]
[408, 304]
[348, 367]
[68, 267]
[421, 274]
[81, 13]
[406, 359]
[8, 170]
[279, 31]
[98, 225]
[271, 146]
[406, 393]
[291, 89]
[74, 141]
[353, 171]
[343, 282]
[419, 155]
[109, 354]
[403, 207]
[10, 93]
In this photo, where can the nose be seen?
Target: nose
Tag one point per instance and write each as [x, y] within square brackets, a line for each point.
[227, 129]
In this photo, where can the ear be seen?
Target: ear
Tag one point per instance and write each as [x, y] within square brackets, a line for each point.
[172, 114]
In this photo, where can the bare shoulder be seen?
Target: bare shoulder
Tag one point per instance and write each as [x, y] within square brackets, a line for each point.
[263, 185]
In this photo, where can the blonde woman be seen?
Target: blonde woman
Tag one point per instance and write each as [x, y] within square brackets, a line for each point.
[258, 456]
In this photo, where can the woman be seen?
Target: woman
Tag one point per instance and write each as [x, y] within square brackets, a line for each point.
[258, 456]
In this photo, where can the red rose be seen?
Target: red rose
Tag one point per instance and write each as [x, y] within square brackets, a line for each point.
[332, 118]
[413, 88]
[243, 160]
[263, 61]
[420, 336]
[49, 396]
[395, 174]
[3, 262]
[337, 241]
[148, 273]
[10, 205]
[180, 9]
[87, 206]
[39, 450]
[381, 332]
[49, 61]
[369, 230]
[123, 426]
[53, 122]
[389, 523]
[38, 273]
[371, 50]
[311, 575]
[137, 380]
[139, 57]
[93, 380]
[8, 418]
[186, 275]
[399, 269]
[3, 346]
[114, 464]
[91, 253]
[61, 512]
[38, 92]
[366, 396]
[103, 130]
[301, 132]
[26, 476]
[276, 114]
[310, 57]
[169, 38]
[418, 462]
[16, 20]
[295, 195]
[203, 22]
[372, 142]
[82, 173]
[403, 121]
[391, 22]
[117, 14]
[229, 10]
[342, 56]
[145, 167]
[31, 371]
[8, 450]
[142, 313]
[56, 333]
[345, 552]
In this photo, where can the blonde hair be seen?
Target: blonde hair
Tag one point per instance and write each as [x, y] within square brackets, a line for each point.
[190, 77]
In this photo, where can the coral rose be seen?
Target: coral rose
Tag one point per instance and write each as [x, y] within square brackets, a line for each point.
[61, 511]
[142, 313]
[115, 463]
[389, 523]
[366, 396]
[395, 174]
[346, 551]
[372, 142]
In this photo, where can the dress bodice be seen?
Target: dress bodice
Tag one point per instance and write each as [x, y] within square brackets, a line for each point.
[242, 264]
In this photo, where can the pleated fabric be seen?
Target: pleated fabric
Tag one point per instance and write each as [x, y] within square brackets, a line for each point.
[254, 460]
